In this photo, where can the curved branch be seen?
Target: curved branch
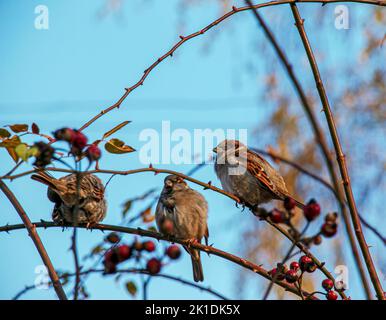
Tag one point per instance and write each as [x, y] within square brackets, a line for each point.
[36, 240]
[138, 271]
[146, 233]
[299, 22]
[170, 53]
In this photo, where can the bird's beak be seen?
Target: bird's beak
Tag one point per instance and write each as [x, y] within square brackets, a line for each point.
[215, 150]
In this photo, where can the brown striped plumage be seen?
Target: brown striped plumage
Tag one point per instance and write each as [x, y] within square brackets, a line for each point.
[91, 203]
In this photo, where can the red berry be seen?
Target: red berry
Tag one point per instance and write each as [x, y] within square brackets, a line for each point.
[153, 266]
[291, 276]
[64, 134]
[332, 295]
[329, 229]
[173, 252]
[78, 142]
[317, 240]
[289, 203]
[294, 266]
[306, 264]
[93, 153]
[110, 267]
[327, 284]
[311, 210]
[276, 216]
[331, 217]
[124, 252]
[113, 237]
[276, 275]
[138, 245]
[111, 256]
[149, 246]
[167, 227]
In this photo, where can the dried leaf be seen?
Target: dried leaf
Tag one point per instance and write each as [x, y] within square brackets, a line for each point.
[19, 127]
[117, 146]
[35, 128]
[126, 207]
[10, 142]
[4, 133]
[13, 154]
[131, 288]
[146, 212]
[148, 218]
[115, 129]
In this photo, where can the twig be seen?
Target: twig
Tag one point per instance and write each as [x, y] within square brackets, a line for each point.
[184, 39]
[339, 153]
[36, 240]
[258, 269]
[320, 138]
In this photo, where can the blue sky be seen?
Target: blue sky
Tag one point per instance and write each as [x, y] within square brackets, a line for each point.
[65, 75]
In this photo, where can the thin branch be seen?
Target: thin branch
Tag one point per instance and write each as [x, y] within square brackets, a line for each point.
[320, 138]
[184, 39]
[339, 154]
[135, 271]
[36, 240]
[258, 269]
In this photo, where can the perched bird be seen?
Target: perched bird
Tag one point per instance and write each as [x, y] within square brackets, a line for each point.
[248, 176]
[89, 208]
[187, 211]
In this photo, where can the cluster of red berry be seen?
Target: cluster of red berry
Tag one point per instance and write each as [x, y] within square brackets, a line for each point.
[122, 252]
[328, 285]
[295, 271]
[78, 141]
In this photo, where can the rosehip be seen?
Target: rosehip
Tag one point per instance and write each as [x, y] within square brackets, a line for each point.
[110, 267]
[289, 203]
[311, 210]
[331, 217]
[153, 266]
[327, 284]
[113, 237]
[149, 246]
[306, 264]
[329, 229]
[317, 240]
[167, 227]
[332, 295]
[65, 134]
[173, 252]
[93, 153]
[276, 275]
[124, 252]
[111, 256]
[294, 266]
[78, 142]
[138, 245]
[276, 216]
[291, 276]
[44, 154]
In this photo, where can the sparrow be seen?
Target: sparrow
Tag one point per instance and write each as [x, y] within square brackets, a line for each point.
[248, 176]
[91, 204]
[187, 210]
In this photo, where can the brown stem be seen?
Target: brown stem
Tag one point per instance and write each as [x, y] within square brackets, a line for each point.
[36, 240]
[146, 233]
[184, 39]
[339, 153]
[320, 138]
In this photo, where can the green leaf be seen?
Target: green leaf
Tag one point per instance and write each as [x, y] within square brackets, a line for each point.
[115, 129]
[22, 151]
[131, 288]
[117, 146]
[4, 133]
[32, 152]
[19, 127]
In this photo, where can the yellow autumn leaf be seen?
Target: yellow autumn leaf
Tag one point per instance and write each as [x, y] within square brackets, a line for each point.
[115, 129]
[117, 146]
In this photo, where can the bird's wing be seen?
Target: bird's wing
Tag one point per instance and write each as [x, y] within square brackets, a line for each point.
[257, 167]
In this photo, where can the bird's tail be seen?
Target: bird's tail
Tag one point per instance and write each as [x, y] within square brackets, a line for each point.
[55, 184]
[198, 273]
